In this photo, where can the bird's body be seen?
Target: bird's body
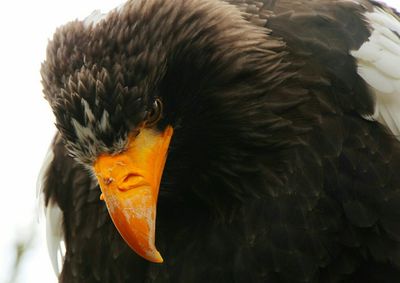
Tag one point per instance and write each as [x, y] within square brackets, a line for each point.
[283, 165]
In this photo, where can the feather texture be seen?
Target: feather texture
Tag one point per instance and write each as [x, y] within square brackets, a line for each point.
[273, 175]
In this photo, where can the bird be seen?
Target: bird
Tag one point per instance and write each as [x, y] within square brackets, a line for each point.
[225, 141]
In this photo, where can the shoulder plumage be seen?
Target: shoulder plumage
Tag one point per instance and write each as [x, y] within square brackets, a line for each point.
[378, 62]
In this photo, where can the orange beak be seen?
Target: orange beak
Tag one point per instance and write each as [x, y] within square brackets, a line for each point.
[130, 182]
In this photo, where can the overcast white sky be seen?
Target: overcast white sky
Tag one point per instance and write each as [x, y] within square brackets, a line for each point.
[27, 122]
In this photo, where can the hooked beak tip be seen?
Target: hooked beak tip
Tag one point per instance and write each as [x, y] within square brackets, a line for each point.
[156, 258]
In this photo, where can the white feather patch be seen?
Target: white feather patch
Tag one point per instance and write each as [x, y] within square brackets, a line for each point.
[379, 65]
[54, 218]
[55, 236]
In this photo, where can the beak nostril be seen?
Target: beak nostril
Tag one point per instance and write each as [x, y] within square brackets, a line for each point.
[130, 176]
[131, 181]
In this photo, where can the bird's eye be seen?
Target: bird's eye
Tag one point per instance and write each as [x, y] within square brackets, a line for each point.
[154, 115]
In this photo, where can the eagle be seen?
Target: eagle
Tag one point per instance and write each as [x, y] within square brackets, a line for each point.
[225, 141]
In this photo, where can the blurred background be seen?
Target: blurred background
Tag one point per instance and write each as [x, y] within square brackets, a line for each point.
[26, 124]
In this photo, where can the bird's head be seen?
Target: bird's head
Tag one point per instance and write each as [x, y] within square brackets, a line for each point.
[150, 78]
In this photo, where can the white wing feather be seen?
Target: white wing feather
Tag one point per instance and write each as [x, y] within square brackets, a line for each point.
[55, 236]
[54, 219]
[379, 65]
